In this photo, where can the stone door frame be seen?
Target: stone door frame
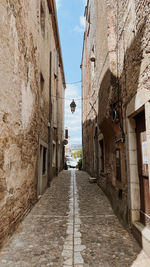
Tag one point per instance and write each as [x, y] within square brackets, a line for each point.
[40, 185]
[138, 103]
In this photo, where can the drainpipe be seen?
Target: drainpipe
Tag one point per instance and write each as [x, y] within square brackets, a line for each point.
[57, 126]
[127, 144]
[96, 137]
[128, 175]
[97, 156]
[50, 120]
[83, 168]
[97, 159]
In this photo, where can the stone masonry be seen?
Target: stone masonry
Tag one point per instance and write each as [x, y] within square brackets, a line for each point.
[115, 79]
[28, 33]
[73, 224]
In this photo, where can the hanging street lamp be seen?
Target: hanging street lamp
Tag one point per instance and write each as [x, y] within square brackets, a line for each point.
[73, 106]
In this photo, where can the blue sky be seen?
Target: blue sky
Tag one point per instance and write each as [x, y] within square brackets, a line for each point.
[70, 15]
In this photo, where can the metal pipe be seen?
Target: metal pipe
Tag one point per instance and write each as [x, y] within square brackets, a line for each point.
[57, 126]
[50, 120]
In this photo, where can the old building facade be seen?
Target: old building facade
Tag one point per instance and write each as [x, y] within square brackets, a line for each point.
[32, 93]
[116, 107]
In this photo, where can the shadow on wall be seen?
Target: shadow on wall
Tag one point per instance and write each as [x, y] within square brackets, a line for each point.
[115, 93]
[119, 91]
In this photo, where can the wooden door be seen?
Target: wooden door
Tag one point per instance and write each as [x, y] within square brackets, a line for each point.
[143, 168]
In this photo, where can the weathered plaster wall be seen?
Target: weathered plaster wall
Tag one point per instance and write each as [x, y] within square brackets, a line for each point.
[89, 92]
[24, 105]
[19, 79]
[121, 70]
[61, 109]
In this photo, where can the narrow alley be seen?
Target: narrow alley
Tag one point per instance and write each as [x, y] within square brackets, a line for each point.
[72, 224]
[75, 93]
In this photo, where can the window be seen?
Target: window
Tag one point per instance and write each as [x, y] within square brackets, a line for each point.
[42, 20]
[54, 153]
[118, 165]
[44, 164]
[92, 70]
[50, 7]
[55, 63]
[59, 155]
[41, 82]
[89, 23]
[101, 143]
[55, 112]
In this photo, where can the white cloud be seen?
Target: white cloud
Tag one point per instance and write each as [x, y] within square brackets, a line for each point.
[58, 3]
[82, 21]
[84, 2]
[80, 28]
[71, 91]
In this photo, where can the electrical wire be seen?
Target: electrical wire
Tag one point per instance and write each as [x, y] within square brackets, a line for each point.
[75, 82]
[76, 99]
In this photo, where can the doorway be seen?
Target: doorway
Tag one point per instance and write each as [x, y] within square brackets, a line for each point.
[42, 168]
[142, 158]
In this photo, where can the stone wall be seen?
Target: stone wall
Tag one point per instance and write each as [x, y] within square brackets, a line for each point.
[121, 70]
[25, 104]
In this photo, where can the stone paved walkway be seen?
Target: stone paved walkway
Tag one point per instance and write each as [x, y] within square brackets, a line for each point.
[72, 225]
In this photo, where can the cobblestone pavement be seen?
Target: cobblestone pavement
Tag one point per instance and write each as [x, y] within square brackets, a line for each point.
[72, 225]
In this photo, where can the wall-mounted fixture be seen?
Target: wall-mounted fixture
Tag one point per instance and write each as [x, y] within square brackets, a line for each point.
[92, 57]
[65, 142]
[115, 116]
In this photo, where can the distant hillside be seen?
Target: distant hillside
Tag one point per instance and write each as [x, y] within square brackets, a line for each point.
[76, 147]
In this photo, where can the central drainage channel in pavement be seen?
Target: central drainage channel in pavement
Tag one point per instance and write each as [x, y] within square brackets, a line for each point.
[73, 246]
